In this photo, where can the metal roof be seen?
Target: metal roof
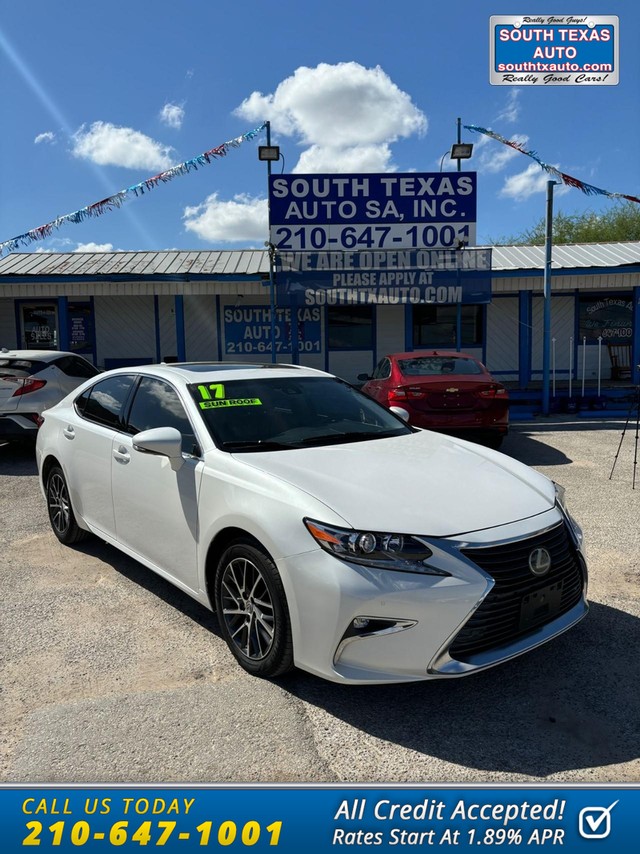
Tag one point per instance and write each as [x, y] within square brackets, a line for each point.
[139, 265]
[254, 263]
[569, 256]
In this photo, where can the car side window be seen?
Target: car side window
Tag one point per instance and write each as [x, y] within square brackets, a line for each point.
[103, 402]
[156, 404]
[74, 366]
[383, 370]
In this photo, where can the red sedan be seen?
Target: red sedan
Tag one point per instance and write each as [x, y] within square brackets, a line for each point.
[450, 392]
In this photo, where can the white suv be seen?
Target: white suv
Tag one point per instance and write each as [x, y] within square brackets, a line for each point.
[32, 381]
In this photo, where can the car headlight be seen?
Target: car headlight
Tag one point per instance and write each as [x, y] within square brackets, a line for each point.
[399, 552]
[561, 501]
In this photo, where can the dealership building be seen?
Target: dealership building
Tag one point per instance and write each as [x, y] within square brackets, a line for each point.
[132, 308]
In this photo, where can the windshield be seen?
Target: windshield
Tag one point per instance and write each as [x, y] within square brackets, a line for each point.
[430, 366]
[264, 414]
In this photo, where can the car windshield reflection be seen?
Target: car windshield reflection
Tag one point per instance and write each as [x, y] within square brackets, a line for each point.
[277, 414]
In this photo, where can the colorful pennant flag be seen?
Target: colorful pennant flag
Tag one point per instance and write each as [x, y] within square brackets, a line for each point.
[116, 201]
[589, 189]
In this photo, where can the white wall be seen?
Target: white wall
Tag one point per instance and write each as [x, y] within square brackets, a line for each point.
[502, 335]
[347, 364]
[200, 328]
[390, 330]
[562, 329]
[125, 328]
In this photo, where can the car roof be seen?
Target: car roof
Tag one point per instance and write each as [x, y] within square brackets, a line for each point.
[198, 372]
[36, 355]
[418, 354]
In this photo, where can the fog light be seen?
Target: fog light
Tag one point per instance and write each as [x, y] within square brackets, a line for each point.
[360, 623]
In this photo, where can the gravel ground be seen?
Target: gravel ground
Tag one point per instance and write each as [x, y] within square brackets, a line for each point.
[109, 674]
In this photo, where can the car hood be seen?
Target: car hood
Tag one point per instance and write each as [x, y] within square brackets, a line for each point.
[420, 483]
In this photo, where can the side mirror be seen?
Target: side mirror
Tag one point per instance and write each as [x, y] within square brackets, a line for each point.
[162, 441]
[400, 412]
[363, 377]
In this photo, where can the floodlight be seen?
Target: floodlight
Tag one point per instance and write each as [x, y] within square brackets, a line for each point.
[461, 150]
[268, 152]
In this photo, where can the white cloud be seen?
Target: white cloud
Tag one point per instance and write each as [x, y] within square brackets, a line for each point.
[511, 110]
[525, 184]
[109, 145]
[47, 136]
[356, 158]
[343, 106]
[243, 219]
[495, 157]
[94, 247]
[172, 115]
[345, 116]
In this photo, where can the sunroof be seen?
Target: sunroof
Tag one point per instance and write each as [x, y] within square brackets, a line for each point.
[204, 367]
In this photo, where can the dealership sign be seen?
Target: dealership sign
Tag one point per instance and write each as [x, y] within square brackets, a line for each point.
[442, 276]
[560, 50]
[372, 212]
[247, 330]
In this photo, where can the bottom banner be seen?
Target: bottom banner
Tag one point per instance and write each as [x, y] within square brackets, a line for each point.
[318, 819]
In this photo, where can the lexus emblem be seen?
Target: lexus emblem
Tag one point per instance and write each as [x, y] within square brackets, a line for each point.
[539, 561]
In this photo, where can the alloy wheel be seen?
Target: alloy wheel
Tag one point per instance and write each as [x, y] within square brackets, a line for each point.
[58, 498]
[247, 608]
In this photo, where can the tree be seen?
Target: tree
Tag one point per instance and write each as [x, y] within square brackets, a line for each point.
[620, 223]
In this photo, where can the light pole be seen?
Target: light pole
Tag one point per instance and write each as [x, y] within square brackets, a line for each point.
[546, 326]
[269, 153]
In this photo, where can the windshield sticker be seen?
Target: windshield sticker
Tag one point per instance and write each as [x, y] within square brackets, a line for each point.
[216, 388]
[238, 401]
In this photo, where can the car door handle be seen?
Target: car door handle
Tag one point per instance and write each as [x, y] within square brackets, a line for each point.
[121, 455]
[69, 433]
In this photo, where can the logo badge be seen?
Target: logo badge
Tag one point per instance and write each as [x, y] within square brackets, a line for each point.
[539, 561]
[452, 390]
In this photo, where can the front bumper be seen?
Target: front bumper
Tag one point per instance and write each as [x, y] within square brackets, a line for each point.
[413, 619]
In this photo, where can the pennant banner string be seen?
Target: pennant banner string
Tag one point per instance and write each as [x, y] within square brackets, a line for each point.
[117, 199]
[569, 180]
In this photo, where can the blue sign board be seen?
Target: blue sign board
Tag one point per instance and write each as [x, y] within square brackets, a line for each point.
[384, 278]
[372, 212]
[247, 330]
[289, 819]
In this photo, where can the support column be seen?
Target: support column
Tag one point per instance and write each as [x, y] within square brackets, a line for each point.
[181, 344]
[63, 323]
[635, 349]
[525, 326]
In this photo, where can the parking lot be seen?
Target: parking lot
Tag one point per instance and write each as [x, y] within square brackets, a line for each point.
[109, 674]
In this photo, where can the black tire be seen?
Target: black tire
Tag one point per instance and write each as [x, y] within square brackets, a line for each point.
[61, 517]
[252, 610]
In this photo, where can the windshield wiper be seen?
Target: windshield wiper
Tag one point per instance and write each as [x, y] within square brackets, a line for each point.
[256, 445]
[354, 436]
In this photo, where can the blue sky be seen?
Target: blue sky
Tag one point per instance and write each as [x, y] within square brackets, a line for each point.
[100, 96]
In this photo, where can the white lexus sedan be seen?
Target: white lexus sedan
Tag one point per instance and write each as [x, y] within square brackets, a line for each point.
[325, 532]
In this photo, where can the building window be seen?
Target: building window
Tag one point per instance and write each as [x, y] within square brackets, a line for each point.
[350, 327]
[39, 326]
[609, 317]
[435, 325]
[81, 330]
